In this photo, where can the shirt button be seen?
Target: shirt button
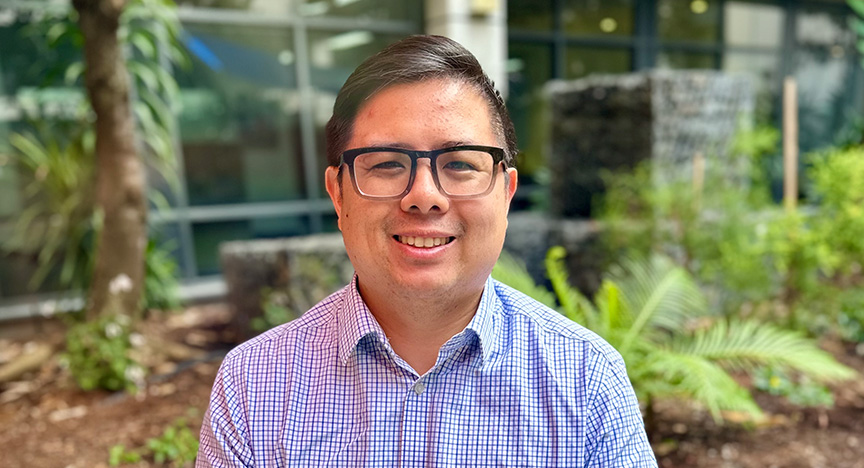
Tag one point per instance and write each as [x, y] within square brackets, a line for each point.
[419, 387]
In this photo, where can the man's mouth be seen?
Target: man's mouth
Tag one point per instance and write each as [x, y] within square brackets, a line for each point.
[425, 242]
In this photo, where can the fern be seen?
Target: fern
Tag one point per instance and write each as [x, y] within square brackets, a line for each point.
[511, 272]
[654, 313]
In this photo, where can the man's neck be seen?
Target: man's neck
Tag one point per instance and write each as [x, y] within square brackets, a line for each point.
[417, 327]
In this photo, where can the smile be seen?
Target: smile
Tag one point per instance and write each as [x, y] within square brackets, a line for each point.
[424, 242]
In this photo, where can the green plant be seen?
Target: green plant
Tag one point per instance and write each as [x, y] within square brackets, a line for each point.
[801, 391]
[160, 278]
[97, 355]
[57, 221]
[276, 310]
[59, 224]
[654, 314]
[746, 253]
[119, 454]
[838, 185]
[177, 446]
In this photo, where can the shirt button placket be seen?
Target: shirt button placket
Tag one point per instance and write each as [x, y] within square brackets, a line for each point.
[415, 430]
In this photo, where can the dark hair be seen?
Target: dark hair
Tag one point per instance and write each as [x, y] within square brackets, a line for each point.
[411, 60]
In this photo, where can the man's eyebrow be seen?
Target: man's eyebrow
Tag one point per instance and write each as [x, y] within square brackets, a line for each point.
[401, 145]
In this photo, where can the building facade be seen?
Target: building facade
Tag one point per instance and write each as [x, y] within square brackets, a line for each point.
[265, 73]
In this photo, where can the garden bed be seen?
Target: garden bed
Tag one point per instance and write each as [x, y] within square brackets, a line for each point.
[45, 421]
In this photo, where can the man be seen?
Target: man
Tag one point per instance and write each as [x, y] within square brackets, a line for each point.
[423, 360]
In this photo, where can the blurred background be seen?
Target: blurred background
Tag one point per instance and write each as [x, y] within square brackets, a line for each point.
[264, 75]
[650, 135]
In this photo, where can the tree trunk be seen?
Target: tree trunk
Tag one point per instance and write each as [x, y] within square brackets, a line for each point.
[118, 272]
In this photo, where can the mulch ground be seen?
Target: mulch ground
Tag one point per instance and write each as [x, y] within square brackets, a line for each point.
[45, 421]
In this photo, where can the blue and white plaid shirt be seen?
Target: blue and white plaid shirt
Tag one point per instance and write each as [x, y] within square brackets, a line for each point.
[520, 386]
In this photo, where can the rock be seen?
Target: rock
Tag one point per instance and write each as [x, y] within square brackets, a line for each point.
[298, 272]
[530, 235]
[67, 413]
[614, 122]
[30, 360]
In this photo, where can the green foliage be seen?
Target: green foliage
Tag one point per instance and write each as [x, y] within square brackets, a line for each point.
[177, 446]
[59, 223]
[119, 454]
[160, 278]
[97, 355]
[655, 315]
[801, 391]
[510, 271]
[58, 220]
[276, 310]
[838, 183]
[746, 253]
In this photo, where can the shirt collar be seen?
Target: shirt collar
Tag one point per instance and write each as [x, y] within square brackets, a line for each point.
[355, 321]
[487, 322]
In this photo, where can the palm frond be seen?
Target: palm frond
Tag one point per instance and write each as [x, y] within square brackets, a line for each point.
[673, 374]
[657, 294]
[745, 345]
[512, 272]
[574, 305]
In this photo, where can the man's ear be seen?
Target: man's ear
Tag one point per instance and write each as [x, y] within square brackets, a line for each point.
[334, 189]
[512, 180]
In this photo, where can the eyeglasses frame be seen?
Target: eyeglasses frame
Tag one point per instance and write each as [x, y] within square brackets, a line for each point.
[348, 157]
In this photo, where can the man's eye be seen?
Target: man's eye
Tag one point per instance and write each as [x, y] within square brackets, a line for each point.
[459, 166]
[388, 165]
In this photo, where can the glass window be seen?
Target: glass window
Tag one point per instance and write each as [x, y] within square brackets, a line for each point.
[240, 119]
[167, 237]
[764, 70]
[688, 20]
[823, 65]
[598, 17]
[529, 68]
[405, 10]
[535, 15]
[261, 6]
[753, 24]
[676, 60]
[583, 61]
[208, 235]
[333, 57]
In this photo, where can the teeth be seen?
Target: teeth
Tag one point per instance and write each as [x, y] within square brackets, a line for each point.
[424, 242]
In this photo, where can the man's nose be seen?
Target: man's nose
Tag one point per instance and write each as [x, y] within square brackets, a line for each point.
[424, 195]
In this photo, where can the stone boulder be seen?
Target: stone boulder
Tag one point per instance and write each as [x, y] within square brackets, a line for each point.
[294, 273]
[605, 123]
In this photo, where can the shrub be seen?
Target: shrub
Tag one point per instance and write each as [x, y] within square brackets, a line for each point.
[97, 355]
[654, 314]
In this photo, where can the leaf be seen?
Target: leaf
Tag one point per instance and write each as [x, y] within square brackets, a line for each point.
[747, 344]
[512, 272]
[574, 305]
[703, 380]
[857, 5]
[657, 293]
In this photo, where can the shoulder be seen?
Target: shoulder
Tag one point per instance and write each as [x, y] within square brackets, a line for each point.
[521, 311]
[310, 331]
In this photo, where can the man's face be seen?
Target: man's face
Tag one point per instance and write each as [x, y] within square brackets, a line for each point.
[428, 115]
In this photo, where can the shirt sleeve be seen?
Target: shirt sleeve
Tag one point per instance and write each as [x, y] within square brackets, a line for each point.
[616, 432]
[224, 430]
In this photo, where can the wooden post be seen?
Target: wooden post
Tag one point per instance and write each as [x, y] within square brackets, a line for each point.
[790, 144]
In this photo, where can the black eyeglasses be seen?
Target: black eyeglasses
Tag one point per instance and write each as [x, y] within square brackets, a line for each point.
[382, 173]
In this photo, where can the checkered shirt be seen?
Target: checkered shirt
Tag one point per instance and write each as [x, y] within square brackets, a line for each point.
[520, 386]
